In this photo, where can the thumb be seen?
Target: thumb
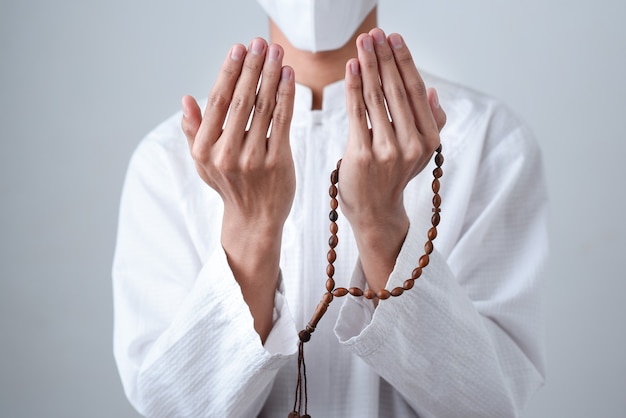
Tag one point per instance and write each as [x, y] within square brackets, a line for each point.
[435, 107]
[192, 117]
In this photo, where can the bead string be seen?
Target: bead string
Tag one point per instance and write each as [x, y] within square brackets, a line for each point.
[301, 398]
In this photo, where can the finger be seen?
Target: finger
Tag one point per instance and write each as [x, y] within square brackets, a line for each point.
[192, 118]
[357, 112]
[266, 98]
[283, 112]
[392, 85]
[415, 87]
[245, 90]
[372, 92]
[221, 94]
[435, 107]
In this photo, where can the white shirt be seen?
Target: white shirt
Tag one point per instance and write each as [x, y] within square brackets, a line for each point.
[465, 341]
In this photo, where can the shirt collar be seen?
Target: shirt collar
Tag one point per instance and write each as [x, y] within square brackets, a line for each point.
[333, 99]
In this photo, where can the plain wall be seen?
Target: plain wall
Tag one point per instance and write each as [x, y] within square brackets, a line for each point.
[82, 82]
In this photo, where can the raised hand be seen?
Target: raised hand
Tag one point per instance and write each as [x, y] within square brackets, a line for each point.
[384, 85]
[251, 169]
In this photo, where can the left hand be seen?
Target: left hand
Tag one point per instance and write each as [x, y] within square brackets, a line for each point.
[379, 162]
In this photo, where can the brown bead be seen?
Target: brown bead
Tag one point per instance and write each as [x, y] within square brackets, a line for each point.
[339, 163]
[331, 256]
[333, 241]
[332, 191]
[330, 284]
[436, 200]
[408, 284]
[397, 292]
[334, 177]
[340, 291]
[330, 270]
[334, 204]
[294, 414]
[428, 247]
[355, 291]
[417, 272]
[435, 219]
[369, 294]
[306, 416]
[424, 260]
[333, 216]
[327, 298]
[436, 186]
[320, 310]
[439, 160]
[334, 228]
[432, 233]
[438, 172]
[304, 336]
[383, 294]
[439, 148]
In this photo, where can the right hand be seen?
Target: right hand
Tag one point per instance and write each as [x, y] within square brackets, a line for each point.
[252, 172]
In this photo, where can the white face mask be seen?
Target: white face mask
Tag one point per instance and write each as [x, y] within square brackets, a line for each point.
[318, 25]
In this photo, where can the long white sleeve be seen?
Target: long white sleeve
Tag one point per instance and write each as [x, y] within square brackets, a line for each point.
[184, 337]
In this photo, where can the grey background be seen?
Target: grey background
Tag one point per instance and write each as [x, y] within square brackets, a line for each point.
[82, 82]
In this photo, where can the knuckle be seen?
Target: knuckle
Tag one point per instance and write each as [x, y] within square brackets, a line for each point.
[281, 117]
[375, 97]
[217, 100]
[262, 106]
[239, 103]
[398, 92]
[359, 111]
[418, 88]
[199, 153]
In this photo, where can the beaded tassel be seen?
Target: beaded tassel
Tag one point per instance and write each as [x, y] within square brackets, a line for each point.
[301, 398]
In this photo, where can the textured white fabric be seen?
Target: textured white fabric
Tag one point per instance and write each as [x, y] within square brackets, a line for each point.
[466, 341]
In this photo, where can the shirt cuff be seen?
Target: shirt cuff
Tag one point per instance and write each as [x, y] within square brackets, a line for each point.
[282, 339]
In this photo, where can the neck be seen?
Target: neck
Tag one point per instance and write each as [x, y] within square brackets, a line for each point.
[319, 69]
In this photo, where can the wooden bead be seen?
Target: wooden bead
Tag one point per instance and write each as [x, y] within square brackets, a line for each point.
[330, 270]
[436, 200]
[330, 284]
[294, 414]
[331, 256]
[339, 163]
[334, 228]
[397, 292]
[332, 191]
[383, 294]
[333, 216]
[306, 416]
[334, 204]
[439, 160]
[355, 291]
[333, 241]
[428, 247]
[369, 294]
[340, 291]
[408, 284]
[417, 272]
[432, 233]
[304, 336]
[327, 298]
[334, 177]
[438, 172]
[424, 260]
[435, 219]
[436, 186]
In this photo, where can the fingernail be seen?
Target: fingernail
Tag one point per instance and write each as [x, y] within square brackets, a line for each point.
[237, 52]
[367, 43]
[396, 41]
[274, 53]
[378, 35]
[257, 47]
[285, 74]
[354, 67]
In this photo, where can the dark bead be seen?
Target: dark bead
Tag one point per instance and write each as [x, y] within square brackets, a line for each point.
[436, 200]
[397, 292]
[333, 214]
[334, 204]
[439, 160]
[435, 219]
[408, 284]
[417, 272]
[436, 185]
[327, 298]
[334, 177]
[428, 247]
[340, 291]
[437, 172]
[330, 270]
[339, 163]
[306, 416]
[333, 241]
[332, 191]
[439, 148]
[330, 284]
[294, 414]
[331, 256]
[432, 233]
[304, 336]
[333, 228]
[355, 291]
[424, 260]
[383, 294]
[369, 294]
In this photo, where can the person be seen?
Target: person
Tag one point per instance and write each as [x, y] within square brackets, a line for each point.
[223, 234]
